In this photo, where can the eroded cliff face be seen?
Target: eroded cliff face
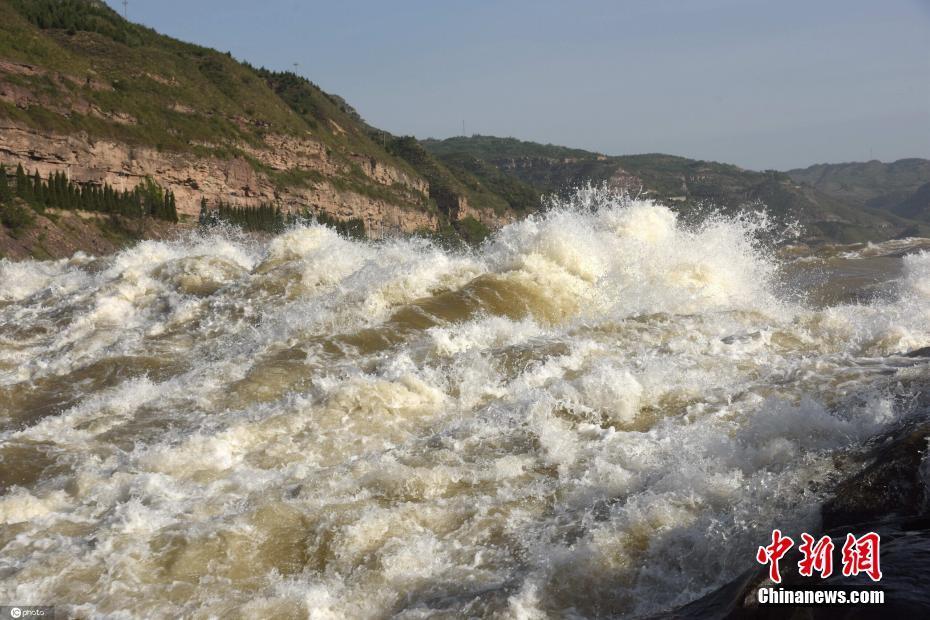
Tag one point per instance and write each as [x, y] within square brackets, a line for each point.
[462, 209]
[235, 181]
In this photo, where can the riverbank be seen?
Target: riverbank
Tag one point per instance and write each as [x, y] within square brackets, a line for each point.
[57, 233]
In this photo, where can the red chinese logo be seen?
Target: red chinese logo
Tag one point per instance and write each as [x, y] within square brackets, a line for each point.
[773, 553]
[860, 555]
[817, 557]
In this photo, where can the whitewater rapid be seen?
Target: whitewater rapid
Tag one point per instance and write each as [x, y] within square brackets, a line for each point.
[599, 411]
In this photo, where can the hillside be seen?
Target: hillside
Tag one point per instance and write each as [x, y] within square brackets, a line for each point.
[687, 184]
[899, 187]
[867, 184]
[106, 101]
[917, 205]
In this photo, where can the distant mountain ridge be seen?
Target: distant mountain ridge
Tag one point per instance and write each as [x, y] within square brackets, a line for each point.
[687, 184]
[899, 187]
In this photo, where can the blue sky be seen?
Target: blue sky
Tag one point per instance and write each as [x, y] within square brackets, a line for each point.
[762, 84]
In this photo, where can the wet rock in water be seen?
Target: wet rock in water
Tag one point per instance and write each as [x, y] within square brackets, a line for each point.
[921, 352]
[891, 486]
[741, 337]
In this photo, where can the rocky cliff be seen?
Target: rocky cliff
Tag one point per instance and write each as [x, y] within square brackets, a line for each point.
[237, 180]
[106, 101]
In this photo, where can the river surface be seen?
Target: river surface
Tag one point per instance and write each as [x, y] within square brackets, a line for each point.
[600, 411]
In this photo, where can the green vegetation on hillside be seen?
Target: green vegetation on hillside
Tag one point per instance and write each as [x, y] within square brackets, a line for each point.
[74, 15]
[493, 148]
[329, 117]
[471, 230]
[59, 192]
[270, 219]
[354, 228]
[461, 176]
[444, 188]
[118, 80]
[481, 177]
[14, 215]
[264, 217]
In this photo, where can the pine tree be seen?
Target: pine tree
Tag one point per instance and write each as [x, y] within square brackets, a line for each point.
[45, 193]
[63, 195]
[161, 207]
[6, 194]
[172, 208]
[95, 198]
[52, 197]
[66, 197]
[204, 218]
[74, 195]
[109, 200]
[37, 186]
[22, 183]
[125, 203]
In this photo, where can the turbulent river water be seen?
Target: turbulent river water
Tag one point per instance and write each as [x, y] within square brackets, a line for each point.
[599, 411]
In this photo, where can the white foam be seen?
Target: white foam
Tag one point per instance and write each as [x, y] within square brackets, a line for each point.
[20, 506]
